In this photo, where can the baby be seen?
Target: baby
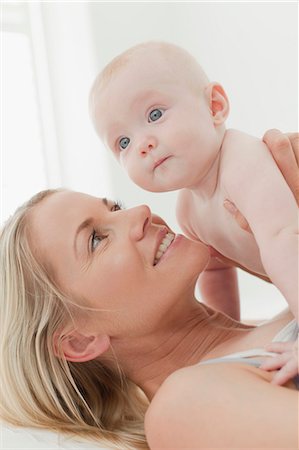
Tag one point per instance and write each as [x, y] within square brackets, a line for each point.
[164, 121]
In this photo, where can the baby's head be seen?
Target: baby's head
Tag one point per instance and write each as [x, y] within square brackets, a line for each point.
[155, 108]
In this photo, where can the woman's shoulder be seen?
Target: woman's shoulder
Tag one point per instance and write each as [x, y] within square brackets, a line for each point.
[192, 407]
[199, 378]
[179, 401]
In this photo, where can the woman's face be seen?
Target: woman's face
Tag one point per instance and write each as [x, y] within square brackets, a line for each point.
[107, 258]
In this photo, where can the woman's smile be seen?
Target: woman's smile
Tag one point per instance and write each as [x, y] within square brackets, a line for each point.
[164, 245]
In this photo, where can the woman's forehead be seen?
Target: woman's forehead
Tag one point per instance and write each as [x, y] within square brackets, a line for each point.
[53, 224]
[57, 209]
[65, 198]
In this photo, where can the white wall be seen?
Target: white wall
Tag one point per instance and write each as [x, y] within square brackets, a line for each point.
[251, 48]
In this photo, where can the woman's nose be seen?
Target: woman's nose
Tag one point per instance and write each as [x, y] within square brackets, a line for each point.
[139, 219]
[147, 145]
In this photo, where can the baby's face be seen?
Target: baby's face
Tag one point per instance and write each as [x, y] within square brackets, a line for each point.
[160, 131]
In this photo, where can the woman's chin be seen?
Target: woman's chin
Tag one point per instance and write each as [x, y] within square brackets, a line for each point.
[201, 254]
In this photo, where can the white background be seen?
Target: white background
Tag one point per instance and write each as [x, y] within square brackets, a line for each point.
[249, 47]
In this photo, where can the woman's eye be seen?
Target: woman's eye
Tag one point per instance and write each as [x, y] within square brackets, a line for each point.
[117, 206]
[155, 114]
[97, 236]
[96, 239]
[124, 142]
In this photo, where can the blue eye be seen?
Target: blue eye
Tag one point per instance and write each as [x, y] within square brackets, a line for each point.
[96, 239]
[124, 142]
[154, 115]
[97, 236]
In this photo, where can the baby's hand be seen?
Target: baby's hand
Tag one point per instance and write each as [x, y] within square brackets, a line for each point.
[286, 360]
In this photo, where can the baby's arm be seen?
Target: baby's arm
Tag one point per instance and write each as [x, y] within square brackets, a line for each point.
[218, 283]
[271, 211]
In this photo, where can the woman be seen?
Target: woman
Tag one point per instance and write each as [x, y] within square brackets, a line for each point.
[97, 314]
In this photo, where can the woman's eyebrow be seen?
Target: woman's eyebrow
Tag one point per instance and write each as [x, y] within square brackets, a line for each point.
[85, 224]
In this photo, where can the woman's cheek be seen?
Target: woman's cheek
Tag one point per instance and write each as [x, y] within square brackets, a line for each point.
[122, 268]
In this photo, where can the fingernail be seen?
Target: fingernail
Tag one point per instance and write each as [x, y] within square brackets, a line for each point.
[229, 206]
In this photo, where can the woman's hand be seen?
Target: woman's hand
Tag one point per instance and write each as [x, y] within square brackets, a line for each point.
[286, 360]
[285, 151]
[284, 148]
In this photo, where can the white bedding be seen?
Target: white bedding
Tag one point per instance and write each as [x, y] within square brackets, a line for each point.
[29, 439]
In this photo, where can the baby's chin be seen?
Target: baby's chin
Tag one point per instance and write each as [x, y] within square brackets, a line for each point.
[161, 186]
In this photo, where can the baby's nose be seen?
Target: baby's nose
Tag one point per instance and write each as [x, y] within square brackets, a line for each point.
[148, 145]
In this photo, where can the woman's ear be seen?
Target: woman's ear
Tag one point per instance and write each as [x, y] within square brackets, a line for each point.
[77, 347]
[218, 103]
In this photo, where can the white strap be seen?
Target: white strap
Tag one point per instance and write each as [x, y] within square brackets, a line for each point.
[249, 353]
[288, 333]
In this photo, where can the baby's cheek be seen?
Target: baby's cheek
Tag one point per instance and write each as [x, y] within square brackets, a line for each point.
[140, 176]
[130, 165]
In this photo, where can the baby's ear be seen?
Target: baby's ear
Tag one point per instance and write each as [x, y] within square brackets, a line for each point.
[78, 347]
[218, 102]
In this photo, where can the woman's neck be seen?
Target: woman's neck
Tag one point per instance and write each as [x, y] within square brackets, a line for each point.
[151, 360]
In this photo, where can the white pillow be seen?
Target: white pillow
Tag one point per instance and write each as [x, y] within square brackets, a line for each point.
[29, 439]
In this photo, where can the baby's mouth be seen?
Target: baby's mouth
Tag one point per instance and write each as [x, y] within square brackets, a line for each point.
[160, 161]
[167, 240]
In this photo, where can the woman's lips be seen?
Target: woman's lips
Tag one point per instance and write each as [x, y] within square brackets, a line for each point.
[174, 243]
[164, 245]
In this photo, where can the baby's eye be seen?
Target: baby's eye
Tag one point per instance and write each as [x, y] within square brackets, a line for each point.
[124, 142]
[154, 115]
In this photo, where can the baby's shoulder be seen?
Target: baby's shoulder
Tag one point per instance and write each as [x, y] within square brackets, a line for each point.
[185, 204]
[242, 150]
[198, 218]
[186, 210]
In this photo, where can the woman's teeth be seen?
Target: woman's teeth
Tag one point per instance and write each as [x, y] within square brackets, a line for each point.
[163, 246]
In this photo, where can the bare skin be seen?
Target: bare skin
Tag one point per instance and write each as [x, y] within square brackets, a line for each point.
[149, 113]
[285, 151]
[157, 330]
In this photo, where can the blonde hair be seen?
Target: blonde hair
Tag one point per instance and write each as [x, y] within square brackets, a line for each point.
[38, 389]
[173, 55]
